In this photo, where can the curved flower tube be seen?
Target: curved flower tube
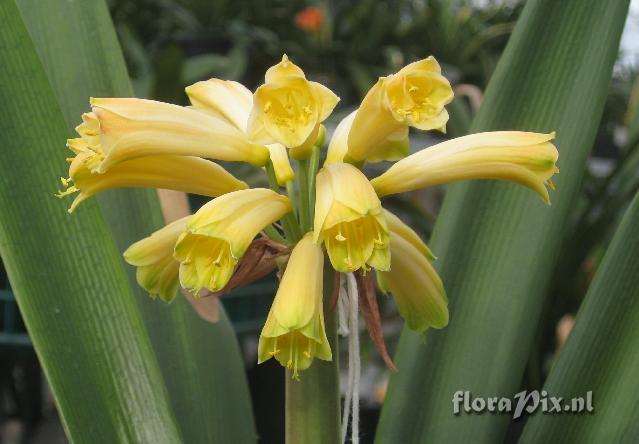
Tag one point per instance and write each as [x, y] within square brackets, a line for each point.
[338, 146]
[414, 96]
[224, 99]
[219, 233]
[397, 226]
[524, 158]
[157, 269]
[180, 173]
[349, 219]
[122, 129]
[288, 109]
[294, 331]
[232, 102]
[415, 285]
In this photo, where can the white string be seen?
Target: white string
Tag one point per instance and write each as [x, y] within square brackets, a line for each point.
[348, 307]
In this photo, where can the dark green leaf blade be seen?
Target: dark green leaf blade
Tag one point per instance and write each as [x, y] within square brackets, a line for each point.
[497, 242]
[601, 354]
[201, 362]
[66, 273]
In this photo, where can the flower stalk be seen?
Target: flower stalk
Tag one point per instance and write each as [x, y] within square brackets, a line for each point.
[317, 421]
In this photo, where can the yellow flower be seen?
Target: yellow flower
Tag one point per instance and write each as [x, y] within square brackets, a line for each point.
[121, 129]
[225, 99]
[294, 330]
[181, 173]
[338, 146]
[281, 164]
[349, 219]
[417, 289]
[525, 158]
[415, 96]
[219, 233]
[157, 269]
[232, 102]
[288, 109]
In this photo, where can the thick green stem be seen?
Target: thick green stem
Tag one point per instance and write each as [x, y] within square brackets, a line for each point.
[289, 223]
[274, 234]
[312, 173]
[302, 172]
[313, 401]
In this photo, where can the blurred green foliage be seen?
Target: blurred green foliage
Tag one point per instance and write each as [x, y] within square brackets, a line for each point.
[171, 43]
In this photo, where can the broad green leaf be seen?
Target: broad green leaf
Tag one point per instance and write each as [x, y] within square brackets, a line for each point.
[496, 241]
[66, 272]
[601, 354]
[201, 362]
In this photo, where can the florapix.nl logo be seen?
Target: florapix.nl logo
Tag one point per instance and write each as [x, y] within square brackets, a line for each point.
[526, 401]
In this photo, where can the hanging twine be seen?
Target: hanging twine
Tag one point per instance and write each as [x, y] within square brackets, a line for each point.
[349, 326]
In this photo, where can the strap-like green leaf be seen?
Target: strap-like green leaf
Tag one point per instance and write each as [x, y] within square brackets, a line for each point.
[601, 354]
[497, 242]
[201, 362]
[66, 271]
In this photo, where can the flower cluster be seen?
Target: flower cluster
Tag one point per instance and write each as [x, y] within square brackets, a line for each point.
[126, 142]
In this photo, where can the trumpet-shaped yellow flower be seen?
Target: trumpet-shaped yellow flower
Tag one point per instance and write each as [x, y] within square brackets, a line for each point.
[181, 173]
[220, 232]
[225, 99]
[397, 226]
[233, 102]
[417, 289]
[288, 109]
[349, 219]
[525, 158]
[415, 96]
[121, 129]
[157, 269]
[338, 146]
[294, 330]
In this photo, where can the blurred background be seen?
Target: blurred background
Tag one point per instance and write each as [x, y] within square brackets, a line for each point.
[169, 44]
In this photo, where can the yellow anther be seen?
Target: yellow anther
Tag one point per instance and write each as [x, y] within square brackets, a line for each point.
[65, 181]
[308, 110]
[412, 89]
[339, 237]
[289, 364]
[307, 354]
[267, 106]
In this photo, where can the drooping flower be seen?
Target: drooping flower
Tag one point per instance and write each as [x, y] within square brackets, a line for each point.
[233, 102]
[294, 331]
[288, 109]
[349, 219]
[415, 285]
[224, 99]
[157, 270]
[415, 96]
[181, 173]
[525, 158]
[220, 232]
[122, 129]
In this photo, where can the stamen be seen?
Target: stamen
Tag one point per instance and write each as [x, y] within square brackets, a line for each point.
[339, 237]
[70, 190]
